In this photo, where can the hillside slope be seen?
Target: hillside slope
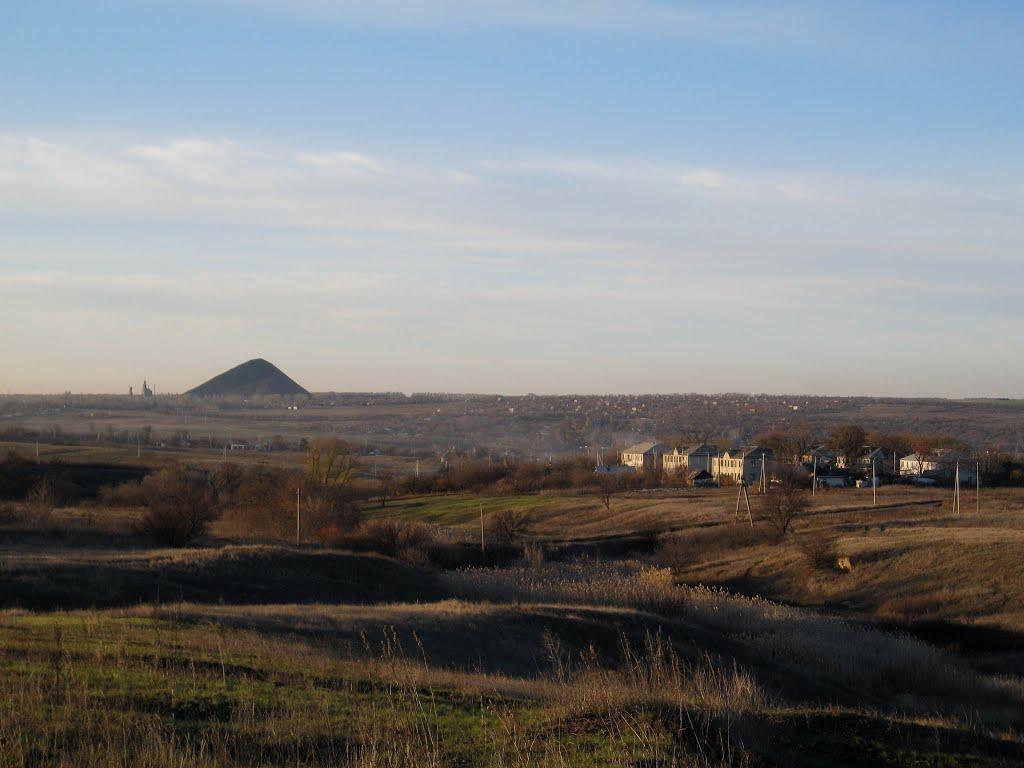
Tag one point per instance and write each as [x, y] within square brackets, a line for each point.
[254, 377]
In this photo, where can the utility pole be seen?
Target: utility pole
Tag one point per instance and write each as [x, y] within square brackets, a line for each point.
[814, 475]
[764, 475]
[743, 495]
[481, 529]
[956, 490]
[417, 469]
[977, 487]
[296, 515]
[874, 486]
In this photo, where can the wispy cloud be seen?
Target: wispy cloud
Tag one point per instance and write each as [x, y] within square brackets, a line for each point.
[551, 205]
[344, 163]
[551, 253]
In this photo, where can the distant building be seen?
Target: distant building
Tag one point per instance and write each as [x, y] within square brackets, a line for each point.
[689, 458]
[644, 456]
[821, 457]
[863, 460]
[741, 464]
[701, 478]
[941, 465]
[146, 391]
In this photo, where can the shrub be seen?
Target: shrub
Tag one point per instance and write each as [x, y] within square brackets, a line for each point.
[259, 503]
[9, 513]
[409, 541]
[506, 527]
[16, 476]
[820, 550]
[53, 491]
[182, 502]
[130, 494]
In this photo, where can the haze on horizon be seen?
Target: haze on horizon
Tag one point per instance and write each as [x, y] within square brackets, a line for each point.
[549, 197]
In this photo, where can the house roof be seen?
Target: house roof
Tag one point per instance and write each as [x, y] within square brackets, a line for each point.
[695, 450]
[940, 456]
[650, 446]
[701, 450]
[746, 450]
[868, 450]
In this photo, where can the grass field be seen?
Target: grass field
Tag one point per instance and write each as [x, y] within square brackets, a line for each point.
[479, 681]
[463, 509]
[114, 652]
[567, 516]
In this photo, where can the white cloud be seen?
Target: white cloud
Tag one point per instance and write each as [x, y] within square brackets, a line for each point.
[204, 162]
[572, 208]
[309, 246]
[344, 163]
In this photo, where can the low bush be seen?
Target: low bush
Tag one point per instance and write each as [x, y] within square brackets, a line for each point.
[507, 527]
[129, 494]
[408, 541]
[53, 491]
[181, 503]
[820, 551]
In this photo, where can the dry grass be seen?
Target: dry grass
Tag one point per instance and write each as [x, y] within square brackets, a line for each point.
[823, 655]
[910, 564]
[123, 689]
[584, 663]
[220, 685]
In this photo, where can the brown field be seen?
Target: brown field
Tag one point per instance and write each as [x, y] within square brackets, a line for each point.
[656, 648]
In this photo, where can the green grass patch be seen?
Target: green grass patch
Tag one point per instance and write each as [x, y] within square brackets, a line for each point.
[462, 509]
[80, 689]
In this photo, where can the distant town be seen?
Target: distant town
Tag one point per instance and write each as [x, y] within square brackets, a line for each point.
[705, 464]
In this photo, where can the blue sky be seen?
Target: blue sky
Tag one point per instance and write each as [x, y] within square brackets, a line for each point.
[557, 196]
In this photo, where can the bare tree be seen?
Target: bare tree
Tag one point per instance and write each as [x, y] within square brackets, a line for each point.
[788, 444]
[508, 526]
[387, 484]
[893, 444]
[328, 463]
[924, 447]
[847, 440]
[607, 487]
[784, 502]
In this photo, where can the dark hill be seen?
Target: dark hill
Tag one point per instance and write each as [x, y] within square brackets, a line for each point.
[255, 377]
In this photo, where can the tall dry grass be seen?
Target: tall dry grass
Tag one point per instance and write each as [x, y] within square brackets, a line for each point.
[837, 656]
[96, 691]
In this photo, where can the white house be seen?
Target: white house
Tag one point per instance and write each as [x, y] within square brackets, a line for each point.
[689, 459]
[644, 456]
[940, 464]
[738, 464]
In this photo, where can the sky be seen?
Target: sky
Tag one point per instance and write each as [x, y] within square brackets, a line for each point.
[545, 196]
